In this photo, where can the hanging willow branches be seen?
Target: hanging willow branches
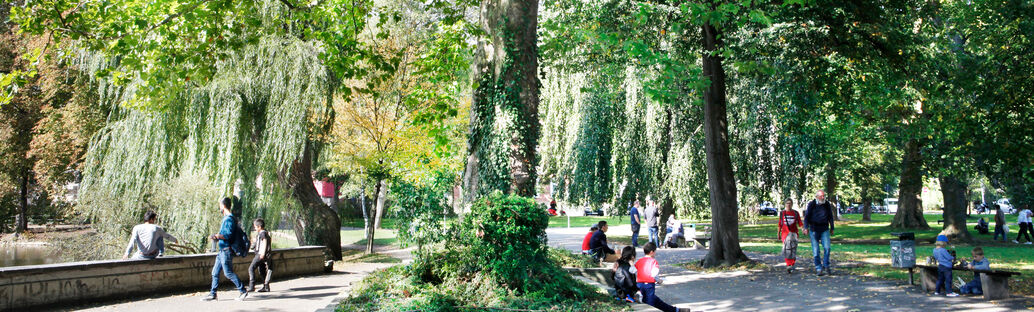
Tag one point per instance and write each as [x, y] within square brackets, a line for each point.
[248, 128]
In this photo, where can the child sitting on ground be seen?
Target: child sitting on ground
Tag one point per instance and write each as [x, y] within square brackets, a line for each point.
[944, 264]
[979, 263]
[585, 241]
[624, 281]
[647, 271]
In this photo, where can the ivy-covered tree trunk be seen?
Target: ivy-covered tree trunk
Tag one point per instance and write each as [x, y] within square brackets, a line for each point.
[371, 226]
[315, 223]
[725, 240]
[21, 222]
[831, 188]
[954, 213]
[504, 124]
[910, 205]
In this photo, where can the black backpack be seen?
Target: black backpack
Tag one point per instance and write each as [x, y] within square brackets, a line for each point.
[239, 243]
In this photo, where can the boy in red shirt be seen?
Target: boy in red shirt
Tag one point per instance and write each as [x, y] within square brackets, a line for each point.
[789, 222]
[647, 271]
[585, 241]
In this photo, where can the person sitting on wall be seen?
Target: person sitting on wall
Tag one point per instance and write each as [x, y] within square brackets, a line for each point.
[148, 238]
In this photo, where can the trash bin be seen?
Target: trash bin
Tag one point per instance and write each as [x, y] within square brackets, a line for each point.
[903, 250]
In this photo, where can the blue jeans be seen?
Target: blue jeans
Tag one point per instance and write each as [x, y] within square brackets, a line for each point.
[224, 264]
[635, 234]
[649, 297]
[816, 238]
[999, 230]
[653, 236]
[943, 278]
[973, 287]
[160, 243]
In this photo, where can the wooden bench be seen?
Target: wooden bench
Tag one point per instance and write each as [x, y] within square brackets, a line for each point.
[994, 283]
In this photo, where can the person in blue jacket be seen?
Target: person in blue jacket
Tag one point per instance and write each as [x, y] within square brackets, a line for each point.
[224, 256]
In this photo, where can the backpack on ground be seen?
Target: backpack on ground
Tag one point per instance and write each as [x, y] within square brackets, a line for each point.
[239, 243]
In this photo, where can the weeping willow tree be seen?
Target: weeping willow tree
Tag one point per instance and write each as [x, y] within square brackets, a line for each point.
[248, 131]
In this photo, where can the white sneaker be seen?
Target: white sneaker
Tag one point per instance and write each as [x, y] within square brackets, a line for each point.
[242, 296]
[952, 295]
[1015, 241]
[1028, 243]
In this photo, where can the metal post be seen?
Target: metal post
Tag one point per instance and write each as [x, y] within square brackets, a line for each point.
[911, 281]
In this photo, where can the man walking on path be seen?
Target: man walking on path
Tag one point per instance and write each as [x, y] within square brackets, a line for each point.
[633, 213]
[818, 219]
[651, 221]
[148, 238]
[224, 258]
[1023, 220]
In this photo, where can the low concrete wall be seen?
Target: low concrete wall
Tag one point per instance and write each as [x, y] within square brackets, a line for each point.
[603, 276]
[37, 285]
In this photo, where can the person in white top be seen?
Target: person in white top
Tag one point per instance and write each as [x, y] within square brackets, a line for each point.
[148, 238]
[1024, 221]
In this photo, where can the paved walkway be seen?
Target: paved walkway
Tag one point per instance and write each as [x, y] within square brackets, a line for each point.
[307, 293]
[774, 290]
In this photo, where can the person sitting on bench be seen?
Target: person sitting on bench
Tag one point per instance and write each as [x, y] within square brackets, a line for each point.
[675, 231]
[598, 245]
[979, 263]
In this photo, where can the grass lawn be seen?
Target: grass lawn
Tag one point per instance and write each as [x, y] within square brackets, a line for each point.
[386, 223]
[874, 259]
[851, 227]
[356, 255]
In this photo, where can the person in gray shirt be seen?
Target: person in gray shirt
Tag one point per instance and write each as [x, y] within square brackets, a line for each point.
[148, 238]
[651, 221]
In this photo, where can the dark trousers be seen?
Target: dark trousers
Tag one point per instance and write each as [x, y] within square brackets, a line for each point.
[263, 267]
[943, 279]
[1025, 230]
[649, 297]
[999, 230]
[635, 234]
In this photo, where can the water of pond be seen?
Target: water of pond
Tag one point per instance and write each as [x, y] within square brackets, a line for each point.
[15, 255]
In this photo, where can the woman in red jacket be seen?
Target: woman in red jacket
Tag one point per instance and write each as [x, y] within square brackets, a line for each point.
[789, 222]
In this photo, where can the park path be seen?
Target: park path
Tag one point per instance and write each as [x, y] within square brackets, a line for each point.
[774, 290]
[306, 293]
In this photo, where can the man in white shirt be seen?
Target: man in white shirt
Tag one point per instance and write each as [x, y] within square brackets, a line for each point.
[148, 238]
[1024, 221]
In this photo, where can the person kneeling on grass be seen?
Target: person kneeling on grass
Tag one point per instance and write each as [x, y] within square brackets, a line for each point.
[979, 263]
[944, 264]
[624, 281]
[647, 276]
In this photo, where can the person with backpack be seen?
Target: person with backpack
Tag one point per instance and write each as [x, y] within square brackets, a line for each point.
[229, 230]
[624, 280]
[789, 223]
[818, 224]
[263, 261]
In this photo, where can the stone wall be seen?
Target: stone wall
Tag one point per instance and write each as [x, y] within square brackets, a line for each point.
[39, 285]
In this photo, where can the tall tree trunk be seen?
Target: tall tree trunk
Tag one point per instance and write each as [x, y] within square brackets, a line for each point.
[867, 209]
[667, 202]
[382, 197]
[910, 204]
[831, 188]
[315, 223]
[371, 226]
[21, 222]
[508, 90]
[954, 213]
[725, 241]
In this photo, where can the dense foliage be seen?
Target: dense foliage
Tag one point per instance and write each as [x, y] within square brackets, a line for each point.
[497, 257]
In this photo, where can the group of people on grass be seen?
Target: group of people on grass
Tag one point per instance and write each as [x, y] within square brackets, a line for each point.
[148, 239]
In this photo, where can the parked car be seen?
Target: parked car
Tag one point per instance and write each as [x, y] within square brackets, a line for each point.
[589, 211]
[766, 209]
[891, 204]
[1006, 206]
